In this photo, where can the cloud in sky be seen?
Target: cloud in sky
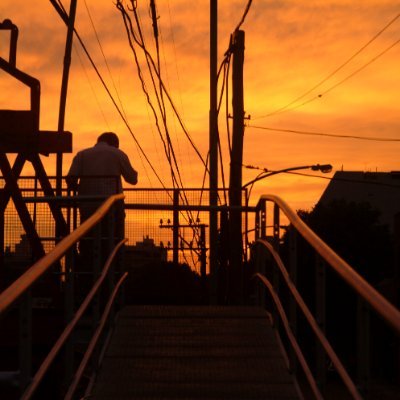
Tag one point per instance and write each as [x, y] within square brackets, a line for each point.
[290, 46]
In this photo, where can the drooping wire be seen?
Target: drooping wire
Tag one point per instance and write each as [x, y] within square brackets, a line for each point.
[91, 87]
[343, 80]
[297, 132]
[104, 56]
[288, 107]
[154, 68]
[244, 15]
[371, 182]
[57, 4]
[166, 92]
[132, 35]
[170, 153]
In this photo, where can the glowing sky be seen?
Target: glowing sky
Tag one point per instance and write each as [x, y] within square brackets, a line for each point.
[291, 45]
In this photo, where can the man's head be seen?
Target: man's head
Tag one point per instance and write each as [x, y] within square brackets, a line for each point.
[110, 138]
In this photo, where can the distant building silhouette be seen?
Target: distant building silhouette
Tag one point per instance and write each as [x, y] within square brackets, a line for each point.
[144, 253]
[380, 189]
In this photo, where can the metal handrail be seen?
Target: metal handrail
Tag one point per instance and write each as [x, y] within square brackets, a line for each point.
[369, 294]
[95, 339]
[307, 372]
[72, 324]
[22, 284]
[311, 320]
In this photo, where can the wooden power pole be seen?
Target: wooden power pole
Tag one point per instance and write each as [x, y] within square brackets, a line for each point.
[235, 181]
[213, 141]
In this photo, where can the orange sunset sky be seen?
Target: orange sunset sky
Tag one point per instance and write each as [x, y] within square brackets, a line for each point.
[291, 46]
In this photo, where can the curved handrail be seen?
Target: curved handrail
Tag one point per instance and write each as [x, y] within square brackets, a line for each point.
[22, 284]
[307, 372]
[95, 339]
[341, 370]
[72, 324]
[382, 306]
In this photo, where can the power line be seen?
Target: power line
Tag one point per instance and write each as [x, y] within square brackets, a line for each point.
[91, 86]
[244, 15]
[287, 106]
[340, 179]
[160, 89]
[64, 16]
[150, 59]
[345, 180]
[297, 132]
[104, 56]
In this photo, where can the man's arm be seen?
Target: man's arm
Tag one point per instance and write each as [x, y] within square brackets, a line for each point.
[127, 171]
[72, 182]
[73, 174]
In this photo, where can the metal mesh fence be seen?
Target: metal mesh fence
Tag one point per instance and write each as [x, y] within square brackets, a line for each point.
[150, 222]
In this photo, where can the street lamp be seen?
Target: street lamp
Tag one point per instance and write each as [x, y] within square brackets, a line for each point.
[324, 168]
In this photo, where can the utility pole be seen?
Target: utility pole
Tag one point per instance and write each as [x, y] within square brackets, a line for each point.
[64, 88]
[213, 148]
[235, 274]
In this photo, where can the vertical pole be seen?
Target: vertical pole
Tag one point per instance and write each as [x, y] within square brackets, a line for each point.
[235, 180]
[213, 148]
[69, 312]
[363, 347]
[2, 245]
[320, 313]
[64, 88]
[203, 256]
[25, 340]
[292, 303]
[175, 228]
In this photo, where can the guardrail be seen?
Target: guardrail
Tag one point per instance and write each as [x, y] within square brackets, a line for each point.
[270, 271]
[20, 292]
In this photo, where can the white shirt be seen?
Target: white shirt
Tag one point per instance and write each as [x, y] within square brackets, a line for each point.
[99, 170]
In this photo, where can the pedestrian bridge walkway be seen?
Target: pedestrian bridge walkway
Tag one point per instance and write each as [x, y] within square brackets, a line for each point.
[193, 352]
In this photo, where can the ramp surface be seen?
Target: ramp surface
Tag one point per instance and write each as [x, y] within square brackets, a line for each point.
[193, 352]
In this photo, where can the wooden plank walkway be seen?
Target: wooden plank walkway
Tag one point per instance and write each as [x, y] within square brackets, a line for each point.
[193, 352]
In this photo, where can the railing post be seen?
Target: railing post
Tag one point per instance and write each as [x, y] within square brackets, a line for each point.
[274, 269]
[363, 346]
[2, 245]
[263, 218]
[69, 300]
[257, 224]
[261, 269]
[25, 340]
[175, 228]
[320, 316]
[292, 233]
[111, 241]
[97, 260]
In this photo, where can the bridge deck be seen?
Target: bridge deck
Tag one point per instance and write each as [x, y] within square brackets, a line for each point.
[189, 352]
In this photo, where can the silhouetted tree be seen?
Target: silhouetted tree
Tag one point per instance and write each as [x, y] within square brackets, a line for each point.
[354, 231]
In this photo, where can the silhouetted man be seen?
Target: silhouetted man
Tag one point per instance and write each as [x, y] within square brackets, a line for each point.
[97, 171]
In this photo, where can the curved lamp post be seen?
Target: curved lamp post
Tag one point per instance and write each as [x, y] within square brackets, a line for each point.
[324, 168]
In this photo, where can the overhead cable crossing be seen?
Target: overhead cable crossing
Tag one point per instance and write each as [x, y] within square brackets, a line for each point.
[64, 16]
[288, 107]
[297, 132]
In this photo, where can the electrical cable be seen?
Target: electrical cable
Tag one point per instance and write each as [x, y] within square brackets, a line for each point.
[120, 7]
[171, 157]
[286, 107]
[297, 132]
[91, 86]
[104, 56]
[345, 180]
[244, 15]
[64, 16]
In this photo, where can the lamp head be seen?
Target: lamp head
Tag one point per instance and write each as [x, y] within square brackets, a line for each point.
[324, 168]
